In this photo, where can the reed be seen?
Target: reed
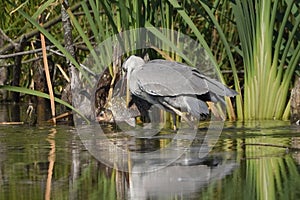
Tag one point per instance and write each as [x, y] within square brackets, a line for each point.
[263, 33]
[268, 68]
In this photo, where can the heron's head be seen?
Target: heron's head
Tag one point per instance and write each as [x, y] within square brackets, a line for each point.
[131, 63]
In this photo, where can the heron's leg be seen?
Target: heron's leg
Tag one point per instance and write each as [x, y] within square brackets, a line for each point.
[178, 112]
[174, 122]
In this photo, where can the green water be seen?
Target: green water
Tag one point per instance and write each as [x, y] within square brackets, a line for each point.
[253, 160]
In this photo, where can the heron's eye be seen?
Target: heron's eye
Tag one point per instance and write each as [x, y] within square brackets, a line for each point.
[101, 114]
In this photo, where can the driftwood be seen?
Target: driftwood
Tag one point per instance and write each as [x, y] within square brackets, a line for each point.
[295, 103]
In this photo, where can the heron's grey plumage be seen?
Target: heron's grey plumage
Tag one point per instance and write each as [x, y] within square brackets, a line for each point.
[200, 83]
[172, 85]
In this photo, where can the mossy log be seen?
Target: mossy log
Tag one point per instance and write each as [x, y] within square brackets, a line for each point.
[295, 103]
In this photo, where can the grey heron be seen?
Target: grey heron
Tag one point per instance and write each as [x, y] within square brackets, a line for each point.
[174, 87]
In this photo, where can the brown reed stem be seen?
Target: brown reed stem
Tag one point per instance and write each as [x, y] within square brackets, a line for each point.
[48, 78]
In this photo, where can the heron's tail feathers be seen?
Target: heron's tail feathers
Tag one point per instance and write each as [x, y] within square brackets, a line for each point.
[217, 87]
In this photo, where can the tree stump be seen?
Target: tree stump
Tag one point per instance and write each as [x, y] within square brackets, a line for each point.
[295, 103]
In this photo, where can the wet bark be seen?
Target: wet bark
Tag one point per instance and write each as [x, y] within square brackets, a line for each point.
[17, 70]
[3, 79]
[295, 103]
[41, 105]
[15, 113]
[73, 73]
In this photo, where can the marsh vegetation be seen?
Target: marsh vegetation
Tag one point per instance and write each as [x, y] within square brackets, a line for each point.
[254, 46]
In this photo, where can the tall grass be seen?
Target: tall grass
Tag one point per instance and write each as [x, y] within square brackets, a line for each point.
[268, 68]
[226, 46]
[127, 15]
[267, 32]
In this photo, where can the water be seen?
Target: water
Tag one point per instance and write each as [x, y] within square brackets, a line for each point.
[253, 160]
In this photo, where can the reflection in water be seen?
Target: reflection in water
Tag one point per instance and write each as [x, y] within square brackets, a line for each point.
[296, 144]
[39, 163]
[42, 162]
[75, 169]
[176, 181]
[51, 159]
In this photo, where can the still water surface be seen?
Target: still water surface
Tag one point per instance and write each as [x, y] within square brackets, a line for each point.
[251, 160]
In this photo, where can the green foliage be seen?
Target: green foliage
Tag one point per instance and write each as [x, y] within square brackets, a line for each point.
[226, 47]
[268, 69]
[261, 34]
[54, 41]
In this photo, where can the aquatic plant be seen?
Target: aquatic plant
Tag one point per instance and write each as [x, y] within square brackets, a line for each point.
[270, 49]
[264, 34]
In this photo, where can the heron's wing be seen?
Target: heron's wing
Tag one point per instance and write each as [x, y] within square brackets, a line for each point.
[197, 83]
[197, 79]
[164, 80]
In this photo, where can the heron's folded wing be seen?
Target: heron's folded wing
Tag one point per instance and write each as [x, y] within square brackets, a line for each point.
[197, 79]
[163, 80]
